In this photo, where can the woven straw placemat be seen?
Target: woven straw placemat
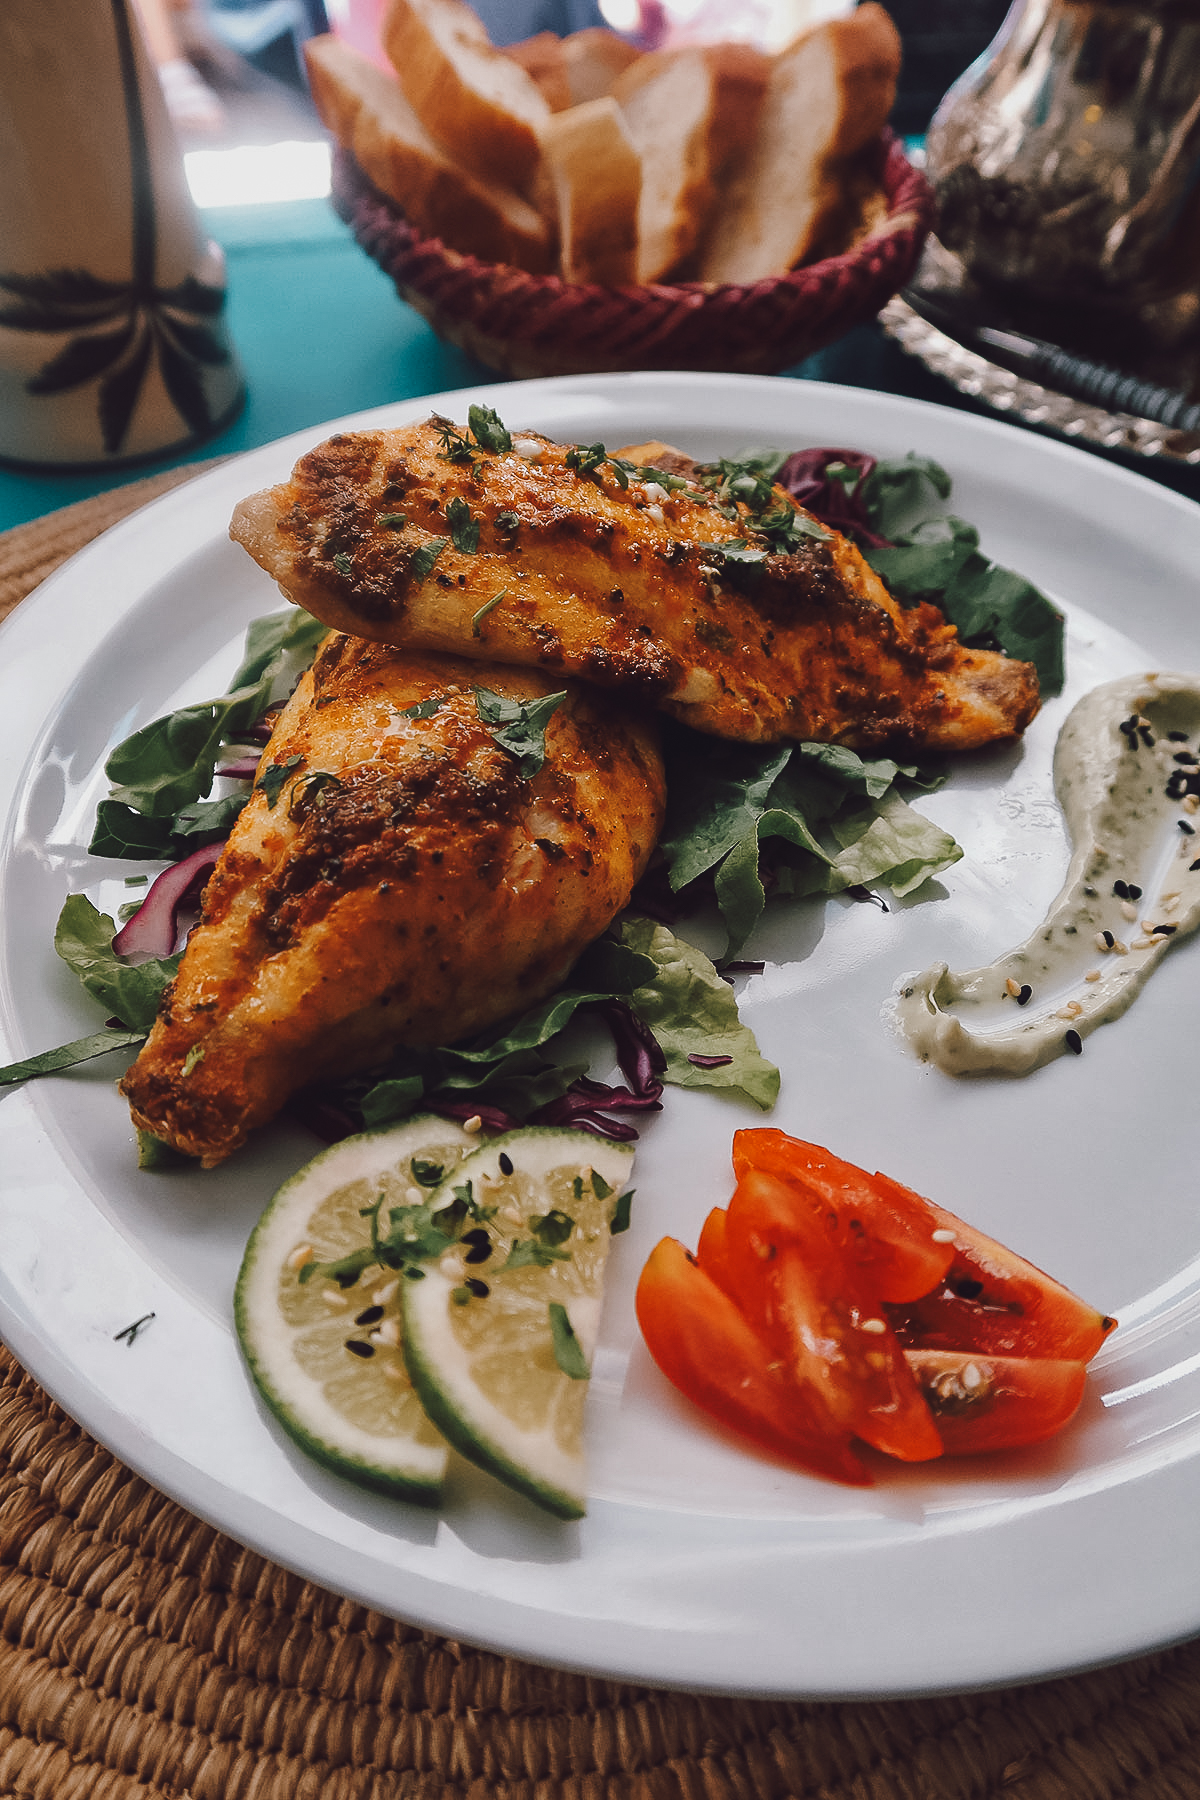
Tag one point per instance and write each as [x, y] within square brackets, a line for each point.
[144, 1656]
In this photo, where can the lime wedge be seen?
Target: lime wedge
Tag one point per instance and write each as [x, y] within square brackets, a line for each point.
[499, 1333]
[325, 1354]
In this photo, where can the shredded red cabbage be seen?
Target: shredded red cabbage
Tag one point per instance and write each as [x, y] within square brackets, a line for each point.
[804, 477]
[709, 1062]
[154, 928]
[243, 768]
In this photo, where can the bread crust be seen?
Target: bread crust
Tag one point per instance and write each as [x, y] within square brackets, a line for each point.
[596, 177]
[366, 111]
[829, 95]
[480, 105]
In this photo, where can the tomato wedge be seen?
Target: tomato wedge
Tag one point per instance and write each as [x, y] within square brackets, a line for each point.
[996, 1402]
[888, 1236]
[789, 1272]
[714, 1356]
[712, 1252]
[994, 1301]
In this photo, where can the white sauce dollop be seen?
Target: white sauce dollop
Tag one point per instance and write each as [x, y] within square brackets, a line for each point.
[1118, 776]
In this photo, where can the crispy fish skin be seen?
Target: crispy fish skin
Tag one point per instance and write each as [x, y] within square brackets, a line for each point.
[408, 885]
[623, 588]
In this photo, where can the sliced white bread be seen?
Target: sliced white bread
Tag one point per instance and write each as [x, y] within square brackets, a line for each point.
[365, 110]
[829, 95]
[573, 69]
[595, 176]
[690, 113]
[481, 106]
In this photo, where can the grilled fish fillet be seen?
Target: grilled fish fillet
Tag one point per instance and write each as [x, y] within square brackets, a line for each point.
[627, 587]
[409, 884]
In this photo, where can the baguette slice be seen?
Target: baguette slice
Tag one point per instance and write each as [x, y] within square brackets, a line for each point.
[828, 96]
[479, 104]
[573, 69]
[595, 175]
[689, 112]
[366, 112]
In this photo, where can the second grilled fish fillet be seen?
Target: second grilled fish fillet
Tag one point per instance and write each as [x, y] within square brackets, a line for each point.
[408, 885]
[417, 537]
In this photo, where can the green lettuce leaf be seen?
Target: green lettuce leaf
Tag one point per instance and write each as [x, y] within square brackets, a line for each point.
[827, 819]
[935, 556]
[692, 1011]
[170, 763]
[131, 991]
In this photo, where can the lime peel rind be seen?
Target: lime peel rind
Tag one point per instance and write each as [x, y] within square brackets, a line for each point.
[408, 1464]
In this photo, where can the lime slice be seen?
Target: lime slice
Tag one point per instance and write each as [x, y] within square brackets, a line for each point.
[325, 1356]
[500, 1332]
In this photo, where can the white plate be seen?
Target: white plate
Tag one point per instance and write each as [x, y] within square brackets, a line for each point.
[699, 1565]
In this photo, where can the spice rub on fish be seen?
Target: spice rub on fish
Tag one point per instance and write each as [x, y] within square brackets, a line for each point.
[736, 612]
[397, 876]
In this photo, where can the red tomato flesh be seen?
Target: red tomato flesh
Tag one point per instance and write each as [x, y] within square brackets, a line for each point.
[790, 1274]
[712, 1252]
[712, 1354]
[887, 1236]
[996, 1402]
[993, 1300]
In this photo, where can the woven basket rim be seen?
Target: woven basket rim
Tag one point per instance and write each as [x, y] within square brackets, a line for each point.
[911, 207]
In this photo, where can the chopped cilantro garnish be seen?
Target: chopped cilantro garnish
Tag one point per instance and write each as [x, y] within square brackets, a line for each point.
[464, 530]
[568, 1352]
[519, 726]
[488, 429]
[424, 709]
[455, 448]
[424, 558]
[343, 563]
[273, 777]
[621, 1212]
[395, 521]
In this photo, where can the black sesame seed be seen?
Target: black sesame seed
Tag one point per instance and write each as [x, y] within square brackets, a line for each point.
[347, 1278]
[1193, 866]
[1120, 890]
[1025, 995]
[506, 1164]
[1109, 939]
[371, 1316]
[1147, 737]
[414, 1273]
[1177, 737]
[1177, 786]
[1186, 757]
[1165, 930]
[1135, 893]
[1074, 1043]
[479, 1253]
[1187, 830]
[476, 1235]
[356, 1347]
[967, 1288]
[480, 1289]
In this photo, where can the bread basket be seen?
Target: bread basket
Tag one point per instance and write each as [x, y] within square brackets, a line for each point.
[520, 324]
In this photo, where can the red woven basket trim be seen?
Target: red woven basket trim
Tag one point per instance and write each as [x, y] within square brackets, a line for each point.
[511, 318]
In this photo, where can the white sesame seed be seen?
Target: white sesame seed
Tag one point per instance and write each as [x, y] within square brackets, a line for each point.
[387, 1333]
[654, 491]
[942, 1236]
[1102, 942]
[387, 1292]
[656, 513]
[414, 1197]
[451, 1266]
[1012, 987]
[473, 1124]
[1141, 943]
[1120, 949]
[333, 1296]
[875, 1326]
[1191, 802]
[303, 1253]
[972, 1377]
[1092, 975]
[1128, 909]
[512, 1215]
[1071, 1010]
[529, 449]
